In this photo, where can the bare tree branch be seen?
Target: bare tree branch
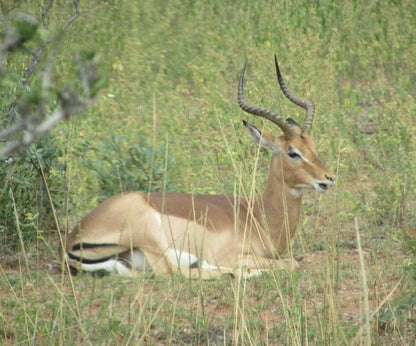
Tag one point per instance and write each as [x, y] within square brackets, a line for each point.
[12, 38]
[75, 16]
[30, 136]
[11, 131]
[33, 112]
[44, 13]
[35, 124]
[38, 52]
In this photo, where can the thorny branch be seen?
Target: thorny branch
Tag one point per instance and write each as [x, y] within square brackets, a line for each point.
[75, 16]
[45, 12]
[36, 55]
[34, 120]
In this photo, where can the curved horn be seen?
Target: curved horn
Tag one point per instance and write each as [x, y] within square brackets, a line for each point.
[305, 104]
[265, 113]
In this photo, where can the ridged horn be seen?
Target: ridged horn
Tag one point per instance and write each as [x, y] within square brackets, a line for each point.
[262, 112]
[305, 104]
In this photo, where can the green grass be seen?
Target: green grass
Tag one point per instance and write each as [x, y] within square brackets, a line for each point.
[172, 70]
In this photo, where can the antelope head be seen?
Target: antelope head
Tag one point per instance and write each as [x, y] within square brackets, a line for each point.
[294, 152]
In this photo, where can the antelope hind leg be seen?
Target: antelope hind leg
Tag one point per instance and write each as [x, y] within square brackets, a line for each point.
[163, 265]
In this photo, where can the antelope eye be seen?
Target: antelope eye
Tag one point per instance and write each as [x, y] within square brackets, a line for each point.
[293, 154]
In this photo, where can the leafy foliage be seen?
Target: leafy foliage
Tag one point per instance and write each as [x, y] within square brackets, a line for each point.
[29, 179]
[140, 167]
[32, 103]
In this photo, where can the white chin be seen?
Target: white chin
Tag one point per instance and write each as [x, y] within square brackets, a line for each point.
[297, 193]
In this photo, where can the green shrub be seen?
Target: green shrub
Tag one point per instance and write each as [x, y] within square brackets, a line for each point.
[118, 167]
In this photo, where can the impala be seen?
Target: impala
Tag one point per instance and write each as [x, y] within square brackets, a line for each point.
[208, 235]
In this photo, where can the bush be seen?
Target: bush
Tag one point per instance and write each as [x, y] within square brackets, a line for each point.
[118, 167]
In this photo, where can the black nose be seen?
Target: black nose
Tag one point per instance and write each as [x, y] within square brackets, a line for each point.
[323, 186]
[329, 177]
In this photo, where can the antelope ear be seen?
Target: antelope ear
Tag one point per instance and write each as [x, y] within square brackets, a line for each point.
[263, 139]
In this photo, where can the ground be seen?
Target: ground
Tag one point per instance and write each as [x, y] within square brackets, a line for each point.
[321, 303]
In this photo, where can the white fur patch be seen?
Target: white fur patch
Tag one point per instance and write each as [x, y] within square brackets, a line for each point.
[297, 193]
[159, 219]
[110, 266]
[138, 260]
[186, 260]
[206, 265]
[183, 259]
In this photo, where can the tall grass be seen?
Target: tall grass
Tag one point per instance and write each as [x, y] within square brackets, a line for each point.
[172, 68]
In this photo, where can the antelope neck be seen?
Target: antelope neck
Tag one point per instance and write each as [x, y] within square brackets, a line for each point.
[281, 206]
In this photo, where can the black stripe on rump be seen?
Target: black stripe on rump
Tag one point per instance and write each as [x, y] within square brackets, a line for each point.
[90, 261]
[81, 246]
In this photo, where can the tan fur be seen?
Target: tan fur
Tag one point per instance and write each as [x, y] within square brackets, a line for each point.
[226, 232]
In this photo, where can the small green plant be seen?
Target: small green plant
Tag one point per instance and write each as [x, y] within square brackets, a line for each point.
[25, 178]
[400, 314]
[34, 98]
[119, 167]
